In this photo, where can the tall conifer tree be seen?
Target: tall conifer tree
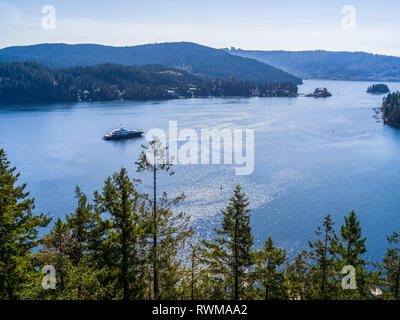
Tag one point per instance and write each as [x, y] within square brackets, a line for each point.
[153, 158]
[169, 229]
[124, 229]
[270, 281]
[350, 249]
[390, 267]
[18, 231]
[322, 271]
[231, 255]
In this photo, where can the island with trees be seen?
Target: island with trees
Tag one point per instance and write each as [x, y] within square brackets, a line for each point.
[320, 93]
[379, 88]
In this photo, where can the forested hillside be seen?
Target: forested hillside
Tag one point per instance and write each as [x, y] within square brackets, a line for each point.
[201, 60]
[32, 82]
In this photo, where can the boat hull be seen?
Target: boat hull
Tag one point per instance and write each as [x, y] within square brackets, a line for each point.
[124, 136]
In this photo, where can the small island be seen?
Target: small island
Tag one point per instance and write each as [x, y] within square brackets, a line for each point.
[380, 88]
[391, 109]
[320, 93]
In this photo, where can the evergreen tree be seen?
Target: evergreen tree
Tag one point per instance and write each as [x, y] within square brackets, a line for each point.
[229, 258]
[391, 268]
[169, 230]
[193, 267]
[322, 271]
[66, 248]
[297, 277]
[196, 284]
[81, 223]
[352, 246]
[124, 229]
[350, 250]
[270, 281]
[128, 245]
[190, 275]
[155, 163]
[56, 249]
[199, 283]
[18, 231]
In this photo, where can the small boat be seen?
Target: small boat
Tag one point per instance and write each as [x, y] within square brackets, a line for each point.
[122, 133]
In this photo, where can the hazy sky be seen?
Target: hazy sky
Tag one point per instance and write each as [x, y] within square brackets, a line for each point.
[247, 24]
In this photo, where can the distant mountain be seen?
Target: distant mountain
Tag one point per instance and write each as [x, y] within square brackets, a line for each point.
[329, 65]
[197, 59]
[28, 82]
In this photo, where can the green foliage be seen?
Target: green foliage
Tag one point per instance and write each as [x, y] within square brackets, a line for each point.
[196, 284]
[169, 229]
[297, 277]
[322, 274]
[123, 234]
[32, 82]
[68, 248]
[231, 255]
[390, 267]
[269, 279]
[391, 109]
[81, 224]
[352, 247]
[18, 231]
[350, 250]
[127, 245]
[378, 88]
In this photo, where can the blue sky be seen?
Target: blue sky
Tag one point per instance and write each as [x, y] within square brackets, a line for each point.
[251, 24]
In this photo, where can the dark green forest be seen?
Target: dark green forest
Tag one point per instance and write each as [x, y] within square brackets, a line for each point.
[213, 64]
[124, 244]
[378, 88]
[32, 82]
[391, 109]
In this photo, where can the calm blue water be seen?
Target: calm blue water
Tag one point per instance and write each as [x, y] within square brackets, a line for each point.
[313, 157]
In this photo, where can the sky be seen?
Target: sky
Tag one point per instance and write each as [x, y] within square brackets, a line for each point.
[359, 25]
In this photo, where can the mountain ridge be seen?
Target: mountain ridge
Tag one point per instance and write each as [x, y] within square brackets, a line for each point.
[195, 58]
[329, 65]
